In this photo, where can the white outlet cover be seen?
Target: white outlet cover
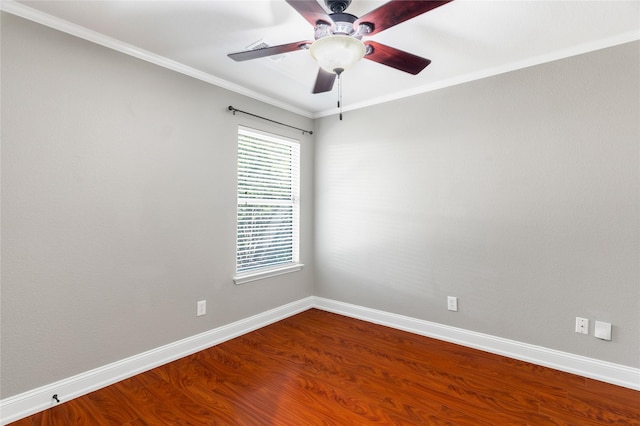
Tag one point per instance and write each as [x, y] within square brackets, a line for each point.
[452, 303]
[602, 330]
[202, 308]
[582, 325]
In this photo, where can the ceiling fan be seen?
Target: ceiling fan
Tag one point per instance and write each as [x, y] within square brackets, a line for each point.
[338, 37]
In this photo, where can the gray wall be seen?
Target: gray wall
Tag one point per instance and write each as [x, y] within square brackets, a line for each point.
[519, 194]
[118, 207]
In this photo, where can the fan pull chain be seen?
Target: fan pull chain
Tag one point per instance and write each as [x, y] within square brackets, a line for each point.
[340, 96]
[339, 74]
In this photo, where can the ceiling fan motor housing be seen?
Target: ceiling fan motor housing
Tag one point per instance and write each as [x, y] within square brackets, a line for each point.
[342, 25]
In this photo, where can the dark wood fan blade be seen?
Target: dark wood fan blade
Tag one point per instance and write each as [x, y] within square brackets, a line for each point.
[311, 11]
[324, 81]
[268, 51]
[396, 58]
[396, 11]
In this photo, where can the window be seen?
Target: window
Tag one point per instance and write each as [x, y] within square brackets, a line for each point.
[268, 205]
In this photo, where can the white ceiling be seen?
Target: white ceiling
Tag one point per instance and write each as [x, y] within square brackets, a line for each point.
[465, 40]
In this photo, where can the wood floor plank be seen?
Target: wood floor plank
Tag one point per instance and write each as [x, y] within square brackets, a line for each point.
[319, 368]
[112, 405]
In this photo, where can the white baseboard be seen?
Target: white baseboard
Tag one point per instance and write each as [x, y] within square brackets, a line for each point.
[616, 374]
[33, 401]
[36, 400]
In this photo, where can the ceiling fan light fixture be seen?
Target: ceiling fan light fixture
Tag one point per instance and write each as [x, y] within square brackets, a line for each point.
[337, 52]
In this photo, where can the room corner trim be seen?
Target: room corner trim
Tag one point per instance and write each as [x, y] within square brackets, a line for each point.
[33, 401]
[36, 400]
[616, 374]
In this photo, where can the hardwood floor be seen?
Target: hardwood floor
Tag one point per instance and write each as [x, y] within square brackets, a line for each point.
[318, 368]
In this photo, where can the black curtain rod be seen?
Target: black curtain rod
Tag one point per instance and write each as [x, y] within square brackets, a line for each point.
[234, 110]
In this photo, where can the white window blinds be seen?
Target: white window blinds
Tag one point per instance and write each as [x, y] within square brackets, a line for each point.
[268, 193]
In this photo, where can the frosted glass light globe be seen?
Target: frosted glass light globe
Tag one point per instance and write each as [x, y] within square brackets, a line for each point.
[337, 53]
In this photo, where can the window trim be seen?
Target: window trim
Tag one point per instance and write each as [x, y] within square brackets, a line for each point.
[267, 272]
[283, 268]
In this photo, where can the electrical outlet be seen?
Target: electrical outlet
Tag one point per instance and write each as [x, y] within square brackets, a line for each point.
[582, 325]
[452, 303]
[202, 308]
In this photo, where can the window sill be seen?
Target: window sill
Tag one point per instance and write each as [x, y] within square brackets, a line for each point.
[261, 274]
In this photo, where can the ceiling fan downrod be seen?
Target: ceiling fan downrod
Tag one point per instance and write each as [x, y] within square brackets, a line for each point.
[337, 6]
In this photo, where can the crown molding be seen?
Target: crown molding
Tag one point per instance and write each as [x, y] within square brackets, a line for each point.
[26, 12]
[31, 14]
[490, 72]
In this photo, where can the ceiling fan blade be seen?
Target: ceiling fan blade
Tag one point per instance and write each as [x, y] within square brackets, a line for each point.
[394, 12]
[311, 11]
[324, 81]
[396, 58]
[268, 51]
